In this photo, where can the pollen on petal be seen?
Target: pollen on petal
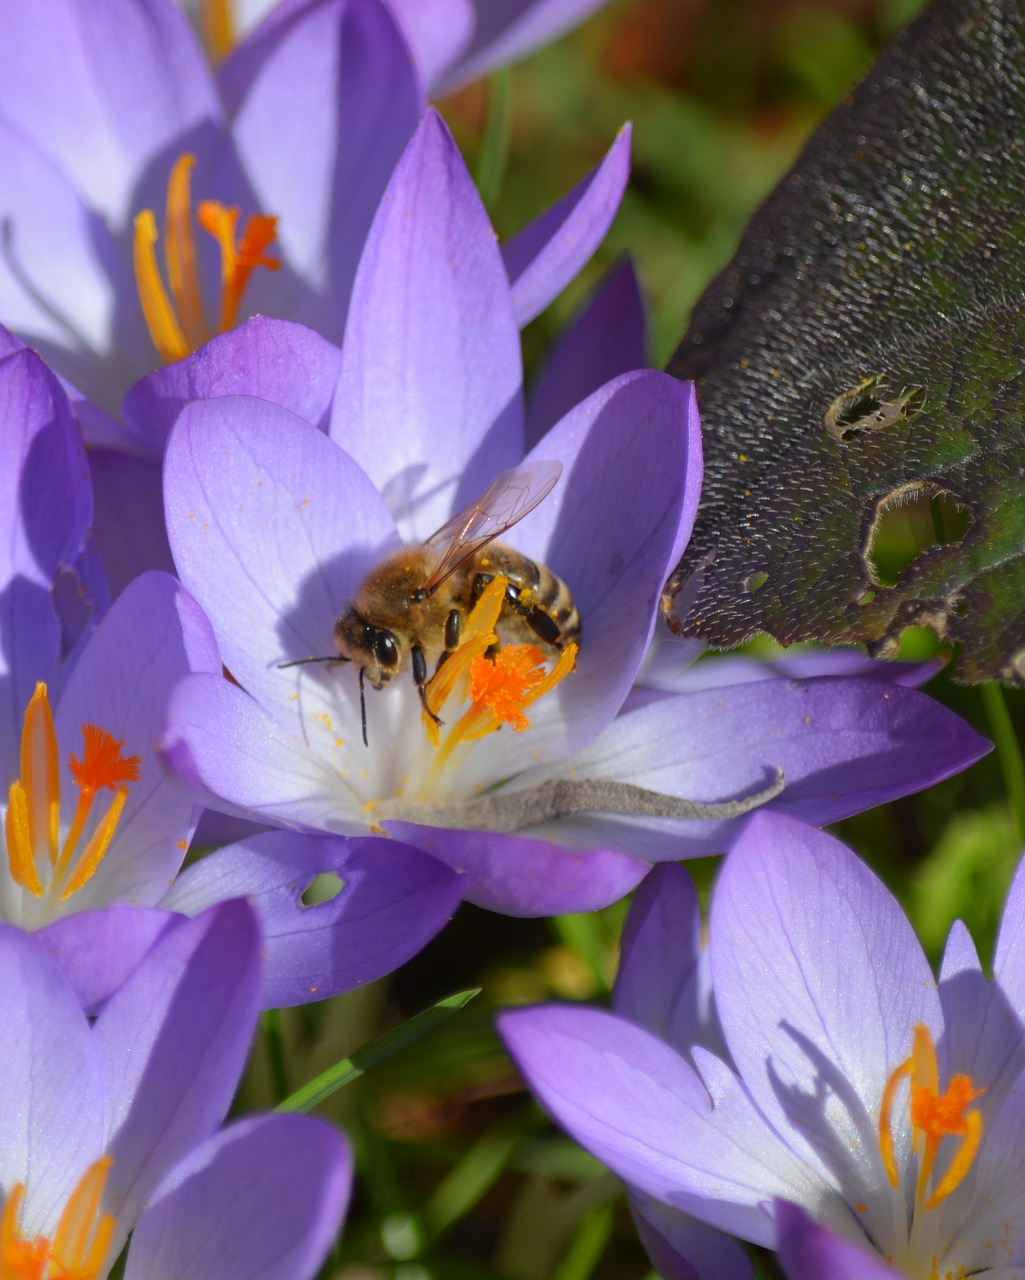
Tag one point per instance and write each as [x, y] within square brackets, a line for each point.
[102, 764]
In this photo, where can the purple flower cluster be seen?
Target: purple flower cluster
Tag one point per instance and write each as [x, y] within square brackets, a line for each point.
[261, 343]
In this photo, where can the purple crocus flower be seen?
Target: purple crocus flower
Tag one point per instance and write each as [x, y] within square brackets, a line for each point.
[95, 830]
[105, 124]
[112, 1127]
[452, 41]
[840, 1106]
[274, 525]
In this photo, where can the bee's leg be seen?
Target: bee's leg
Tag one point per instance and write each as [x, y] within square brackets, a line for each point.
[453, 626]
[420, 680]
[537, 619]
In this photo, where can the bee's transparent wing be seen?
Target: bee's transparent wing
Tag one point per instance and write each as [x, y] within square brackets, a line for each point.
[509, 497]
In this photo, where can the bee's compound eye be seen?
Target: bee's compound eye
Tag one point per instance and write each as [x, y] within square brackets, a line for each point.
[386, 651]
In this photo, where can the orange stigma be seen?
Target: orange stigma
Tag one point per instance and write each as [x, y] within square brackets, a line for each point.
[175, 319]
[38, 861]
[498, 686]
[79, 1248]
[934, 1116]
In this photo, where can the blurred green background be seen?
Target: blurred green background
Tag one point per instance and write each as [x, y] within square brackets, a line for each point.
[461, 1177]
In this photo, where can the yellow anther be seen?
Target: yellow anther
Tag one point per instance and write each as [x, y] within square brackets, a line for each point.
[217, 28]
[934, 1116]
[80, 1245]
[175, 319]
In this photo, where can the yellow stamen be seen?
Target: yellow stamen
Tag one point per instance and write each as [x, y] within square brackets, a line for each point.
[175, 320]
[934, 1116]
[83, 1235]
[157, 311]
[217, 28]
[80, 1244]
[180, 252]
[33, 810]
[478, 636]
[40, 773]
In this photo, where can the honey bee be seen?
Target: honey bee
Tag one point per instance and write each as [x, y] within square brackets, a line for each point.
[410, 608]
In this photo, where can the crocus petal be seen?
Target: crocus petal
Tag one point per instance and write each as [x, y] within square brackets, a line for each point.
[104, 92]
[431, 358]
[173, 1041]
[544, 257]
[1009, 953]
[46, 505]
[632, 448]
[605, 339]
[391, 901]
[264, 1198]
[843, 745]
[97, 950]
[635, 1104]
[811, 1252]
[523, 877]
[51, 1103]
[128, 526]
[508, 31]
[275, 360]
[663, 982]
[247, 483]
[682, 1248]
[323, 98]
[817, 1014]
[61, 274]
[230, 753]
[672, 666]
[437, 33]
[984, 1037]
[153, 635]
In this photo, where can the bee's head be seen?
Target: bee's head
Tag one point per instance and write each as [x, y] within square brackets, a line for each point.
[375, 650]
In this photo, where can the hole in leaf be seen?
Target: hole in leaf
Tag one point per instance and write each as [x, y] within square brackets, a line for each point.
[909, 521]
[322, 888]
[754, 581]
[868, 407]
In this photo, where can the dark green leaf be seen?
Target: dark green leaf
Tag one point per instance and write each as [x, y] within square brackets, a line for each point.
[860, 368]
[344, 1072]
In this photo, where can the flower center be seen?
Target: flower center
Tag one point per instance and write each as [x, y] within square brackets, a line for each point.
[934, 1116]
[39, 862]
[499, 686]
[80, 1244]
[175, 320]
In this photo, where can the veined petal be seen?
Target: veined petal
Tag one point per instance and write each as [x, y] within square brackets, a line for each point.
[45, 508]
[635, 1104]
[153, 635]
[97, 950]
[229, 753]
[524, 877]
[605, 338]
[544, 257]
[391, 901]
[431, 358]
[104, 92]
[812, 1252]
[323, 97]
[264, 1197]
[51, 1103]
[816, 1031]
[272, 527]
[173, 1041]
[275, 360]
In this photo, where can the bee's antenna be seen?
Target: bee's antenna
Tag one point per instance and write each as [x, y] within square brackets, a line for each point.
[363, 706]
[303, 662]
